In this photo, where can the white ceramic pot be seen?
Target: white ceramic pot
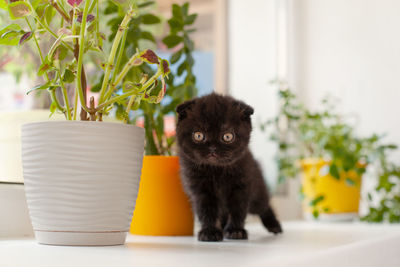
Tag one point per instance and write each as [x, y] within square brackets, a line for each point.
[81, 180]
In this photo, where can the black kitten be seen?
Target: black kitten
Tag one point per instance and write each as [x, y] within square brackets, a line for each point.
[218, 170]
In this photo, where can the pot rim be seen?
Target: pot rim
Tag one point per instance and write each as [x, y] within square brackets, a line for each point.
[114, 124]
[310, 161]
[161, 156]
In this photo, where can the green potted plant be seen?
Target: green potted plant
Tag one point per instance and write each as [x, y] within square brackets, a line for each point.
[324, 148]
[161, 197]
[81, 175]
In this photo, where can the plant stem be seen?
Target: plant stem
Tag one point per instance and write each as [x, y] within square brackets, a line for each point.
[73, 27]
[147, 84]
[119, 58]
[116, 68]
[122, 27]
[125, 70]
[97, 22]
[36, 16]
[128, 107]
[37, 45]
[115, 99]
[55, 100]
[75, 105]
[80, 56]
[52, 92]
[60, 11]
[92, 6]
[151, 148]
[92, 107]
[131, 92]
[121, 76]
[65, 94]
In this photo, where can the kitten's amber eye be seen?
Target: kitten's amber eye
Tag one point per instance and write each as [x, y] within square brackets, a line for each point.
[228, 137]
[198, 136]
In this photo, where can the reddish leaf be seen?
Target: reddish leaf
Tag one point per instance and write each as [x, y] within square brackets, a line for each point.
[25, 37]
[89, 18]
[165, 66]
[19, 9]
[150, 56]
[74, 2]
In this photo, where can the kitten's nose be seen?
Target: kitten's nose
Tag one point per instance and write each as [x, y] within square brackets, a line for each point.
[213, 149]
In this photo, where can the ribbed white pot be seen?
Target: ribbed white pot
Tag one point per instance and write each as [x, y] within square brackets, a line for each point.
[81, 180]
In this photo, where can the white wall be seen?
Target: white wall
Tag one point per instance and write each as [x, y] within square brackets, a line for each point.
[253, 52]
[350, 49]
[252, 65]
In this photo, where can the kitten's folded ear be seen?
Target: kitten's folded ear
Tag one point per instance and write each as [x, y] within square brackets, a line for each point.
[245, 109]
[183, 108]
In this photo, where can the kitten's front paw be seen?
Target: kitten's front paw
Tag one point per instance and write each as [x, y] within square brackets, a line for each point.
[232, 233]
[210, 235]
[274, 227]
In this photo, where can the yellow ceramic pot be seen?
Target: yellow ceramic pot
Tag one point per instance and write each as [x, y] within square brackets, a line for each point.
[339, 196]
[162, 207]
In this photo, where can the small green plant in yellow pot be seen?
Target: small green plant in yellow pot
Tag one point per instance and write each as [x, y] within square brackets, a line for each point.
[320, 190]
[331, 159]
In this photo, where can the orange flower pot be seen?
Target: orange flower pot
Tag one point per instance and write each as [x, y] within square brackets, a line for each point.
[162, 207]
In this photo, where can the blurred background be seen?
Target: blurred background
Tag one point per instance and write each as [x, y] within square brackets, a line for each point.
[345, 49]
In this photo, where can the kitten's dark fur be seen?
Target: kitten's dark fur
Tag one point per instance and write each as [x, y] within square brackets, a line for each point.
[222, 179]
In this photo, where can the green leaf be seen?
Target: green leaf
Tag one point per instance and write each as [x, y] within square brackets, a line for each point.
[96, 88]
[125, 4]
[190, 19]
[316, 200]
[333, 170]
[145, 4]
[10, 34]
[36, 3]
[147, 36]
[172, 40]
[175, 24]
[176, 56]
[49, 14]
[41, 87]
[360, 171]
[110, 9]
[185, 9]
[177, 11]
[44, 67]
[181, 68]
[3, 4]
[68, 76]
[150, 19]
[61, 52]
[19, 9]
[350, 181]
[315, 214]
[53, 108]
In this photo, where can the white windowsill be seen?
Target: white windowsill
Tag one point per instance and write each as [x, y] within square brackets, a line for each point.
[302, 244]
